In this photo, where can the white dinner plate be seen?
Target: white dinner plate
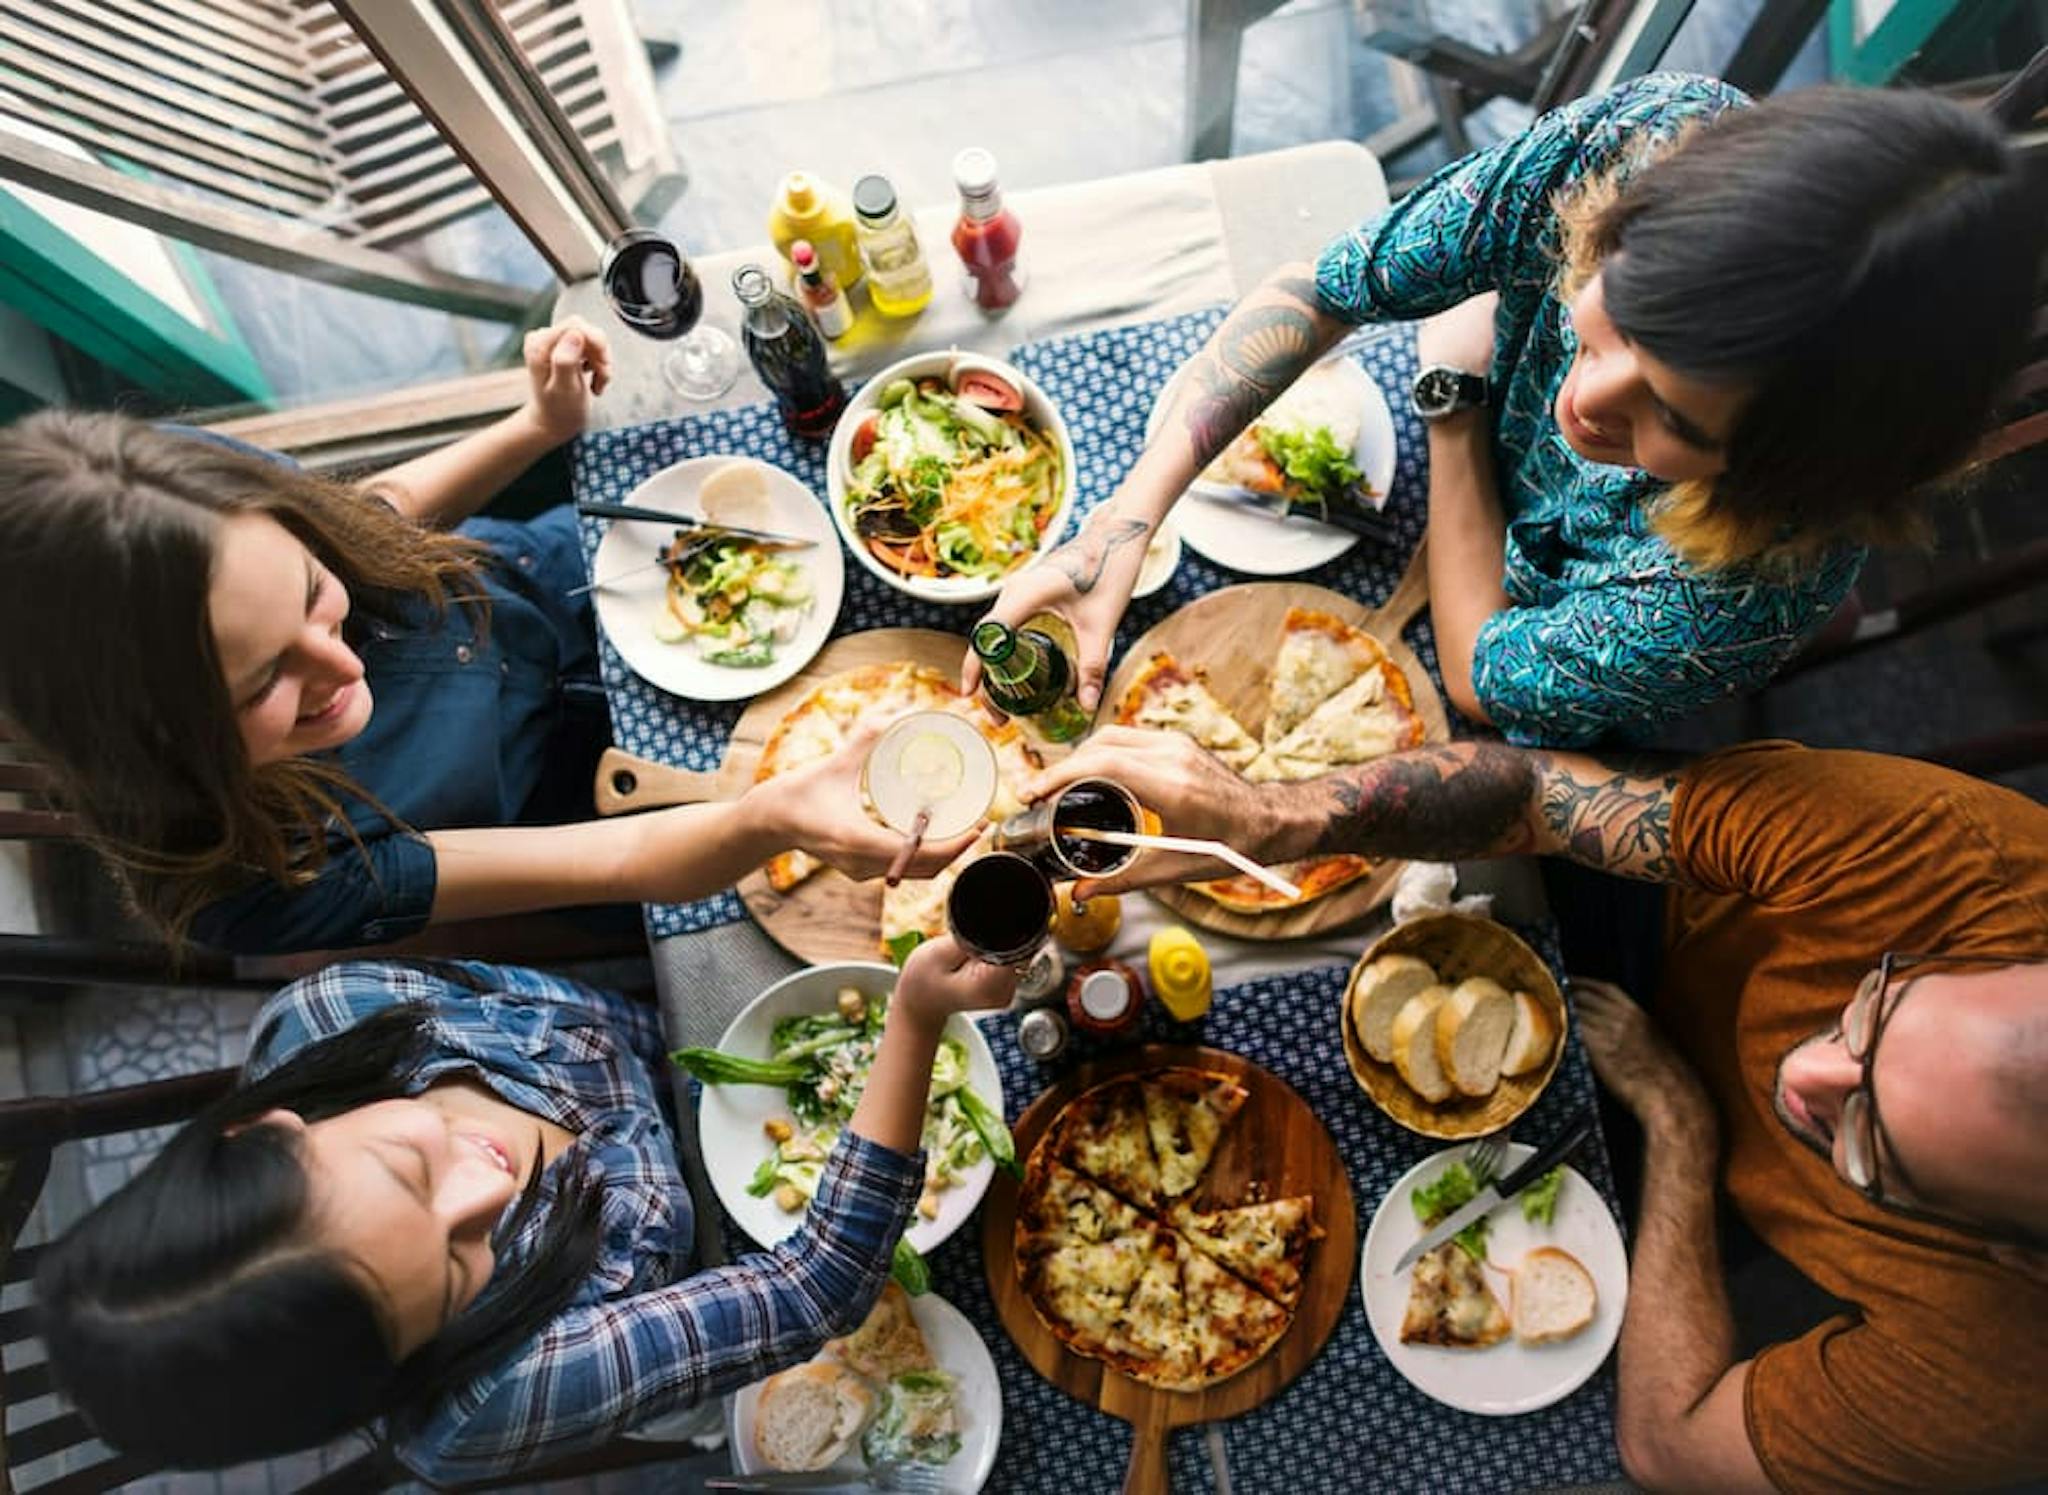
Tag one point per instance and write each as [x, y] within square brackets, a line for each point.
[628, 607]
[1263, 543]
[729, 1117]
[1508, 1377]
[977, 1401]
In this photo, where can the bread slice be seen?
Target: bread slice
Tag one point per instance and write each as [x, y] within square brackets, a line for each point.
[1414, 1036]
[809, 1416]
[1531, 1039]
[1472, 1029]
[1554, 1296]
[1381, 990]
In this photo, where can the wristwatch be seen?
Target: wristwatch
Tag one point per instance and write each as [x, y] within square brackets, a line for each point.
[1441, 391]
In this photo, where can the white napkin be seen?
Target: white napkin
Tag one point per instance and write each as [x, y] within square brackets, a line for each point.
[1427, 888]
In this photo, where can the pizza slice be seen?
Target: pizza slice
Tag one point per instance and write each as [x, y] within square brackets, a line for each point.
[1372, 716]
[1081, 1289]
[1186, 1111]
[1151, 1342]
[1319, 655]
[1231, 1325]
[918, 904]
[1167, 698]
[1450, 1304]
[1058, 1206]
[1266, 1244]
[1102, 1133]
[1317, 877]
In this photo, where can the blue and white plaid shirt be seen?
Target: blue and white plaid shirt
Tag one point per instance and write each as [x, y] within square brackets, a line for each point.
[642, 1336]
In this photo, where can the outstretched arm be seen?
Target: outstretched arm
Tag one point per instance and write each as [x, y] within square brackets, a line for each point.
[1460, 801]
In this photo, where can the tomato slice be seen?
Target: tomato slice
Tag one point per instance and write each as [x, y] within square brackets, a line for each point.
[865, 436]
[988, 391]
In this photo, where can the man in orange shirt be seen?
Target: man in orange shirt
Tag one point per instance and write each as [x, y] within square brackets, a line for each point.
[1855, 973]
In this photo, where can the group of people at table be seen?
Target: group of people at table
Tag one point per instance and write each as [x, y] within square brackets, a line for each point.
[1691, 353]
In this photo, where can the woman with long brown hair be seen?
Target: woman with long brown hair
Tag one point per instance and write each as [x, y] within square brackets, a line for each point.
[300, 715]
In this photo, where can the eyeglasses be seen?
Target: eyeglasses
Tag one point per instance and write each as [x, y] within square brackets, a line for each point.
[1863, 1025]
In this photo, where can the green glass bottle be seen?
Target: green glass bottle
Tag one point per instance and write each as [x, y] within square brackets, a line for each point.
[1025, 672]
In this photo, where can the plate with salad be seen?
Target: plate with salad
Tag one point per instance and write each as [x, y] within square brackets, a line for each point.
[948, 472]
[1514, 1351]
[781, 1085]
[719, 619]
[1328, 439]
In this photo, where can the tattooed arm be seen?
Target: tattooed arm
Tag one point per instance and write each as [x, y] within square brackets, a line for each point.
[1458, 802]
[1265, 343]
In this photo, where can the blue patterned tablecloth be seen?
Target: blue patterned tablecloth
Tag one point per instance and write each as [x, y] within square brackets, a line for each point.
[1105, 384]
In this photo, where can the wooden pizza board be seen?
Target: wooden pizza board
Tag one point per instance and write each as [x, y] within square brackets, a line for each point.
[1233, 634]
[827, 917]
[1276, 1142]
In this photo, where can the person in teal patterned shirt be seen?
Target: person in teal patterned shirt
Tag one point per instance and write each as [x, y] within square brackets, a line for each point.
[1685, 357]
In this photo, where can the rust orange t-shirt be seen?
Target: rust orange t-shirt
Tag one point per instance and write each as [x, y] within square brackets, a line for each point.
[1804, 867]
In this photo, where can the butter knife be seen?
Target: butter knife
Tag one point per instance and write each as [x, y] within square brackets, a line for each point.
[1497, 1193]
[1344, 514]
[689, 522]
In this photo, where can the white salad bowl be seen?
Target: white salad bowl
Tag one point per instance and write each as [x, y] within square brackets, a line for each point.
[1038, 408]
[730, 1117]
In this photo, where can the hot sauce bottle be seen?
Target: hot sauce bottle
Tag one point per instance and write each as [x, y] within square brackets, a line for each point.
[1106, 999]
[987, 235]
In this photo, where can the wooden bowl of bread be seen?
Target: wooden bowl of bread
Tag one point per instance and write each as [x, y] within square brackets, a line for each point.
[1452, 1025]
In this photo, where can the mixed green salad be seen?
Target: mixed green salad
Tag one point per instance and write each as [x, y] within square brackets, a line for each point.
[734, 599]
[917, 1423]
[1460, 1182]
[821, 1060]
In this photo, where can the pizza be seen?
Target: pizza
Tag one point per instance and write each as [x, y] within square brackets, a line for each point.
[1372, 716]
[1317, 877]
[1450, 1304]
[1168, 698]
[1319, 655]
[1118, 1263]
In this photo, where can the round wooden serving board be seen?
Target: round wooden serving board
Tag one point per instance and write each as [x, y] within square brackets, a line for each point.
[827, 917]
[1232, 636]
[1276, 1143]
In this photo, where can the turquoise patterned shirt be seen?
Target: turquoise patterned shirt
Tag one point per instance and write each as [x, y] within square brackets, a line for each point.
[1607, 629]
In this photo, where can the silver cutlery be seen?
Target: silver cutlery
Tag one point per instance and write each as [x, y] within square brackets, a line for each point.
[888, 1474]
[690, 522]
[1494, 1193]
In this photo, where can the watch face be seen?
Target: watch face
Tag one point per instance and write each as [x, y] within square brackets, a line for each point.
[1436, 390]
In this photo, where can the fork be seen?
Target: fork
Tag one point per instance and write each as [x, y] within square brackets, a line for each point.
[676, 557]
[1484, 1157]
[904, 1475]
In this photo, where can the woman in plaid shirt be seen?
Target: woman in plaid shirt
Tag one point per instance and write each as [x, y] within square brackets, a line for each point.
[445, 1199]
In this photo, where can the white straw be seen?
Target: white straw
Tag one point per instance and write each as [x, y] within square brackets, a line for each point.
[1190, 845]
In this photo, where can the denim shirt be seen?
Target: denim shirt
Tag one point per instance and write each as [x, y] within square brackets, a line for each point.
[643, 1335]
[502, 727]
[1607, 630]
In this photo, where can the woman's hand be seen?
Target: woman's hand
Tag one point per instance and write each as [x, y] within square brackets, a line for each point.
[1088, 582]
[819, 808]
[1461, 338]
[942, 978]
[566, 365]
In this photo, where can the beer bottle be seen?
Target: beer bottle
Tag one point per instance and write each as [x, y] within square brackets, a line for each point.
[1025, 672]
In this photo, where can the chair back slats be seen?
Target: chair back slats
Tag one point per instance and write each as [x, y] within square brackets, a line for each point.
[27, 1382]
[45, 1121]
[40, 1440]
[108, 1474]
[16, 1324]
[273, 71]
[21, 1267]
[25, 778]
[38, 825]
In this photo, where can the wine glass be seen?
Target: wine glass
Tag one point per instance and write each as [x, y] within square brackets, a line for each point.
[653, 288]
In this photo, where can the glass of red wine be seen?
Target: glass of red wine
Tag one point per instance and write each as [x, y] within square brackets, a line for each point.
[653, 288]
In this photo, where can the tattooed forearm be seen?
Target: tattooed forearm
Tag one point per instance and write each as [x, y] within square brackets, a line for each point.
[1485, 799]
[1261, 348]
[1611, 814]
[1086, 556]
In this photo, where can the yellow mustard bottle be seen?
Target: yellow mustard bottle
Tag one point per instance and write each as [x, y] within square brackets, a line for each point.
[806, 208]
[1180, 973]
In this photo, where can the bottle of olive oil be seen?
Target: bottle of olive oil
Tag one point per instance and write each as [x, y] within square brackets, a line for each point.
[1029, 672]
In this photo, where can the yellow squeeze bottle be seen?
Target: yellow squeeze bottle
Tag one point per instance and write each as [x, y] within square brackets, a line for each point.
[806, 208]
[1180, 973]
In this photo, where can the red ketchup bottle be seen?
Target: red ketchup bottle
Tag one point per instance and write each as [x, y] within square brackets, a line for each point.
[987, 235]
[1106, 999]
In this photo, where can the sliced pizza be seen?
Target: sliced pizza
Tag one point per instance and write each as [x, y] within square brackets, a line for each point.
[1266, 1244]
[1168, 698]
[1317, 877]
[1057, 1205]
[1081, 1289]
[1319, 655]
[1153, 1341]
[917, 905]
[1231, 1324]
[1372, 716]
[1450, 1304]
[1186, 1111]
[1102, 1133]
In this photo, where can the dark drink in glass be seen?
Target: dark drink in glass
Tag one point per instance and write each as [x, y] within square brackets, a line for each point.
[1000, 908]
[1091, 804]
[652, 288]
[788, 352]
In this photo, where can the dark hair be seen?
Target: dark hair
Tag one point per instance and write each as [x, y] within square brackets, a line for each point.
[109, 528]
[1867, 260]
[194, 1319]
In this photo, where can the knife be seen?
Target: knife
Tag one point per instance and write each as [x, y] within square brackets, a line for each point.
[1344, 514]
[1493, 1195]
[689, 521]
[824, 1480]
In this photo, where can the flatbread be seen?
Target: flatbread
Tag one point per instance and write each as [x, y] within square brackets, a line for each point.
[1319, 655]
[1317, 877]
[1369, 718]
[1168, 698]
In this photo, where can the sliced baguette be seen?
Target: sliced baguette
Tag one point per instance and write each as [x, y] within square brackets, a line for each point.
[1378, 995]
[1472, 1029]
[1554, 1296]
[1532, 1038]
[1414, 1036]
[809, 1416]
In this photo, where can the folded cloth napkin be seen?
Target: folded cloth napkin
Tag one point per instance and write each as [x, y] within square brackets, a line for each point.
[1426, 888]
